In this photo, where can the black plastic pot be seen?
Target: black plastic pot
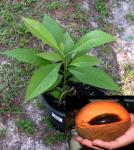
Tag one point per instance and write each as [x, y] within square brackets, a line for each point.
[129, 103]
[56, 116]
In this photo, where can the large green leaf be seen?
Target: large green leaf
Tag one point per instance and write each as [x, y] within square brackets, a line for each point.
[52, 56]
[85, 61]
[92, 39]
[94, 77]
[56, 83]
[68, 42]
[42, 80]
[40, 31]
[54, 28]
[26, 55]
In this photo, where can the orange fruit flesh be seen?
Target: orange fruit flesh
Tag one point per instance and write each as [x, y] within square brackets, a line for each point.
[97, 108]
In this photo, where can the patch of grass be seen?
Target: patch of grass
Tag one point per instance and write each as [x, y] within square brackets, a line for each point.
[26, 126]
[129, 72]
[47, 122]
[50, 140]
[106, 49]
[56, 5]
[101, 8]
[128, 83]
[21, 29]
[83, 31]
[18, 6]
[13, 77]
[61, 137]
[79, 16]
[12, 29]
[2, 133]
[13, 32]
[128, 67]
[15, 109]
[130, 76]
[53, 139]
[76, 16]
[130, 17]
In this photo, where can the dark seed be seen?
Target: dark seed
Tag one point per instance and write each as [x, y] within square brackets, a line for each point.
[105, 119]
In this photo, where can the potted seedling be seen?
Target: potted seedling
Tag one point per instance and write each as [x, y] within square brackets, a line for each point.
[66, 76]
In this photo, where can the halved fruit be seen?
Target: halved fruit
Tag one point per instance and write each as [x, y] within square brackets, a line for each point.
[104, 119]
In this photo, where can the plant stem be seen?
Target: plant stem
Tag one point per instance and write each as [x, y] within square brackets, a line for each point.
[65, 73]
[63, 94]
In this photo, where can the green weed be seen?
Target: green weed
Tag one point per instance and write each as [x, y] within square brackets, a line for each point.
[79, 16]
[106, 49]
[54, 138]
[48, 122]
[26, 126]
[128, 67]
[50, 140]
[15, 109]
[100, 6]
[61, 136]
[130, 17]
[128, 79]
[83, 31]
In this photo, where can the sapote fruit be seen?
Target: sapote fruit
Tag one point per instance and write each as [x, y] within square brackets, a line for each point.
[104, 119]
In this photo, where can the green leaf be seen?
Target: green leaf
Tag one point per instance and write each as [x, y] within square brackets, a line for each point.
[42, 80]
[56, 94]
[26, 55]
[85, 61]
[59, 78]
[94, 77]
[41, 32]
[91, 40]
[68, 42]
[51, 56]
[73, 79]
[54, 28]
